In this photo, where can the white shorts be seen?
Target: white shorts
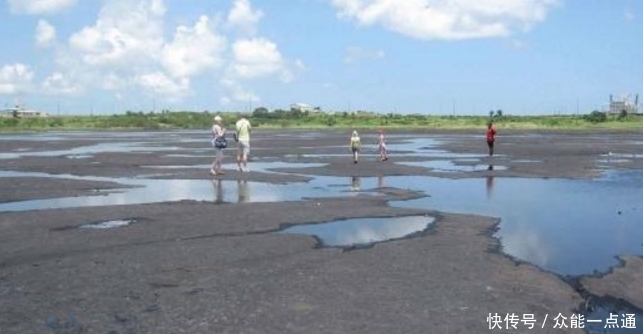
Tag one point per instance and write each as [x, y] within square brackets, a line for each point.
[243, 148]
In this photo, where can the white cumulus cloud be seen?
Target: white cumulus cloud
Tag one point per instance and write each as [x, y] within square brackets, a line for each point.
[447, 19]
[126, 33]
[39, 6]
[130, 48]
[252, 58]
[159, 84]
[257, 57]
[194, 49]
[243, 17]
[45, 34]
[15, 78]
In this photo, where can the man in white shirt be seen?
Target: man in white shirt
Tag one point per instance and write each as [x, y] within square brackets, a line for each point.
[243, 149]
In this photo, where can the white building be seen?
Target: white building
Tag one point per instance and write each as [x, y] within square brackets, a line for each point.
[19, 111]
[302, 107]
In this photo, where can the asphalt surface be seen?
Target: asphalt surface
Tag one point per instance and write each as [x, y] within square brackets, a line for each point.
[201, 267]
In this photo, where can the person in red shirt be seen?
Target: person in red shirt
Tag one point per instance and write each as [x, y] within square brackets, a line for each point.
[491, 137]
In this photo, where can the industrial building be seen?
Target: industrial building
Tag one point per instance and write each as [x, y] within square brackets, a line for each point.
[625, 103]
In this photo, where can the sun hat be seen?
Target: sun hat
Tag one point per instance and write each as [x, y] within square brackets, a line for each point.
[217, 118]
[355, 134]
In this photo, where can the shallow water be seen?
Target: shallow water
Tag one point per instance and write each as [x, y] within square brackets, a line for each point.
[363, 231]
[570, 227]
[451, 166]
[216, 191]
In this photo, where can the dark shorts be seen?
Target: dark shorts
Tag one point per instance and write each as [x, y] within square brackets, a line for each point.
[355, 149]
[490, 143]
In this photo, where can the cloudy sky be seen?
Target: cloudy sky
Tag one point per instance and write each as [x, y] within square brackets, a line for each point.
[410, 56]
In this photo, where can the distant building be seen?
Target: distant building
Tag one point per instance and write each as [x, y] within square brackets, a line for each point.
[302, 107]
[20, 111]
[624, 104]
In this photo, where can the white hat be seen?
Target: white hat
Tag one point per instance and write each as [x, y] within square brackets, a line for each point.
[355, 134]
[217, 118]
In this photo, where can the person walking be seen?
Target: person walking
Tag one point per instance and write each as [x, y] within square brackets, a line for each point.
[491, 137]
[219, 143]
[355, 146]
[243, 128]
[381, 146]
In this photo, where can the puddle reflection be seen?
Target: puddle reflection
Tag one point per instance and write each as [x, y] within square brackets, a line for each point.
[450, 166]
[90, 150]
[242, 192]
[356, 183]
[363, 231]
[161, 190]
[490, 180]
[109, 224]
[570, 227]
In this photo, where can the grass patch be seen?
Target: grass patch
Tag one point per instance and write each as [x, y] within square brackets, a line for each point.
[283, 119]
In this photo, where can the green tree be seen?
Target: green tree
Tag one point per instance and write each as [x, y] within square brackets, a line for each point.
[596, 117]
[260, 112]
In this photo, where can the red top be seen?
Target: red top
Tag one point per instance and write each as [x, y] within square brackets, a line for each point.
[491, 134]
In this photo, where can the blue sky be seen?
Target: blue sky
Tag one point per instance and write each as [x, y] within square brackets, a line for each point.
[411, 56]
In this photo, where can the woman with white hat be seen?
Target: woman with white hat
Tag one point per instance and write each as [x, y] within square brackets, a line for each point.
[219, 143]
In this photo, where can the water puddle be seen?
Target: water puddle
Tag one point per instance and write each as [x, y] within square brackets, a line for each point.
[256, 166]
[109, 224]
[363, 232]
[613, 155]
[147, 191]
[451, 166]
[89, 150]
[570, 227]
[611, 318]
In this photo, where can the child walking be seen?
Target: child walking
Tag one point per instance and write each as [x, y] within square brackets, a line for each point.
[355, 145]
[491, 137]
[382, 146]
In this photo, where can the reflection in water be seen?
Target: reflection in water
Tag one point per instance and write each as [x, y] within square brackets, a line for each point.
[451, 166]
[489, 182]
[218, 191]
[109, 224]
[570, 227]
[243, 191]
[356, 183]
[380, 181]
[363, 231]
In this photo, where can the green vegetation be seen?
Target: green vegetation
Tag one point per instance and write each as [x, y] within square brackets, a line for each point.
[261, 117]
